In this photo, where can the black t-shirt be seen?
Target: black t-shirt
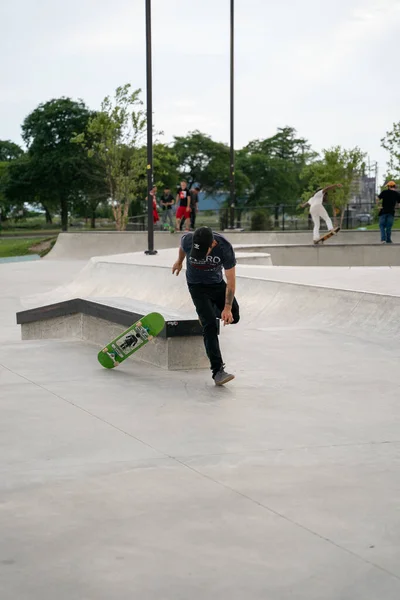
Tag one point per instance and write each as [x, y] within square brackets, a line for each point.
[184, 197]
[389, 200]
[194, 199]
[209, 270]
[166, 198]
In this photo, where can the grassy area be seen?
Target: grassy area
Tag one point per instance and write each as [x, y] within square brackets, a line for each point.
[38, 233]
[33, 226]
[396, 225]
[22, 246]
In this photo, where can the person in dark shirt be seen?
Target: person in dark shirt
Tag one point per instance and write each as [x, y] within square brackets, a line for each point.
[194, 205]
[166, 203]
[389, 198]
[207, 253]
[183, 206]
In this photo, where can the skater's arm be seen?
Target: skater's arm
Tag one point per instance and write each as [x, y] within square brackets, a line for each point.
[177, 267]
[331, 187]
[226, 316]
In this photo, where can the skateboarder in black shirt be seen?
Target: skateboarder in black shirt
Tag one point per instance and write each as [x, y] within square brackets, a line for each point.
[207, 253]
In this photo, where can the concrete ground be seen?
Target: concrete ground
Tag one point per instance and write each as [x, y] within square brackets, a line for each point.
[141, 483]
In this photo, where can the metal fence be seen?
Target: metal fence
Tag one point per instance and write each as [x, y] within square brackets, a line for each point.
[283, 217]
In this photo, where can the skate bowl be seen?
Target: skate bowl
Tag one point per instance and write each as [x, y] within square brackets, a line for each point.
[265, 303]
[82, 246]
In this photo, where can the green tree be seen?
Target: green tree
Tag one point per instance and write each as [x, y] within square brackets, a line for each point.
[165, 174]
[3, 183]
[93, 193]
[391, 143]
[25, 184]
[274, 166]
[337, 165]
[205, 161]
[13, 190]
[9, 155]
[113, 138]
[56, 164]
[9, 151]
[166, 164]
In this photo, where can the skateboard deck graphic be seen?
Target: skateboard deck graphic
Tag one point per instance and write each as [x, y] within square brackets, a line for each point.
[327, 235]
[131, 340]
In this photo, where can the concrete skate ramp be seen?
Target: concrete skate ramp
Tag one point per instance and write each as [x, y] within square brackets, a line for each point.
[335, 255]
[272, 305]
[88, 244]
[264, 303]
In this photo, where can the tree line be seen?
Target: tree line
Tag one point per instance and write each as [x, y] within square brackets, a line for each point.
[76, 160]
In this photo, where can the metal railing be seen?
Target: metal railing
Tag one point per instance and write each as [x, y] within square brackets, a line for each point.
[282, 217]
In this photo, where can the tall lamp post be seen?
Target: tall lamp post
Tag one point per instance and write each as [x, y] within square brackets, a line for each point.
[232, 121]
[149, 88]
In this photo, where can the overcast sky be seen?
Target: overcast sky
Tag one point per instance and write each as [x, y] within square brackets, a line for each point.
[329, 69]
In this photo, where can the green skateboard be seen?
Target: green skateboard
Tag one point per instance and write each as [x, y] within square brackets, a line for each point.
[134, 338]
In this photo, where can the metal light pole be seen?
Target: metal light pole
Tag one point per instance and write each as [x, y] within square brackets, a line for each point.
[150, 224]
[232, 116]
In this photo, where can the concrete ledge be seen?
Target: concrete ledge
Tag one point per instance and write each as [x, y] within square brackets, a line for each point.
[327, 255]
[178, 347]
[86, 244]
[123, 311]
[253, 258]
[174, 354]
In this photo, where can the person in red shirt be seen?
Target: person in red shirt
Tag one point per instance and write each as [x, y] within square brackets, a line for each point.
[183, 204]
[153, 193]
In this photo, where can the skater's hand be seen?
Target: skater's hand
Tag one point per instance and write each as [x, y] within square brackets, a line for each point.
[226, 316]
[177, 268]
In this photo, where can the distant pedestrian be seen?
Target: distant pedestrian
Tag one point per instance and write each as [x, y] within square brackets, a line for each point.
[389, 198]
[156, 217]
[183, 206]
[194, 205]
[317, 211]
[166, 202]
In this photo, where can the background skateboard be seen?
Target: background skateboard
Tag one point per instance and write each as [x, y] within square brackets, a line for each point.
[327, 235]
[131, 340]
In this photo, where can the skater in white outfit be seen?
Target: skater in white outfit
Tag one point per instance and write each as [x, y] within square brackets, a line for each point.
[317, 210]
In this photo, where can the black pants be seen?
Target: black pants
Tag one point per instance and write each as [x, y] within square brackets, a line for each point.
[193, 219]
[209, 301]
